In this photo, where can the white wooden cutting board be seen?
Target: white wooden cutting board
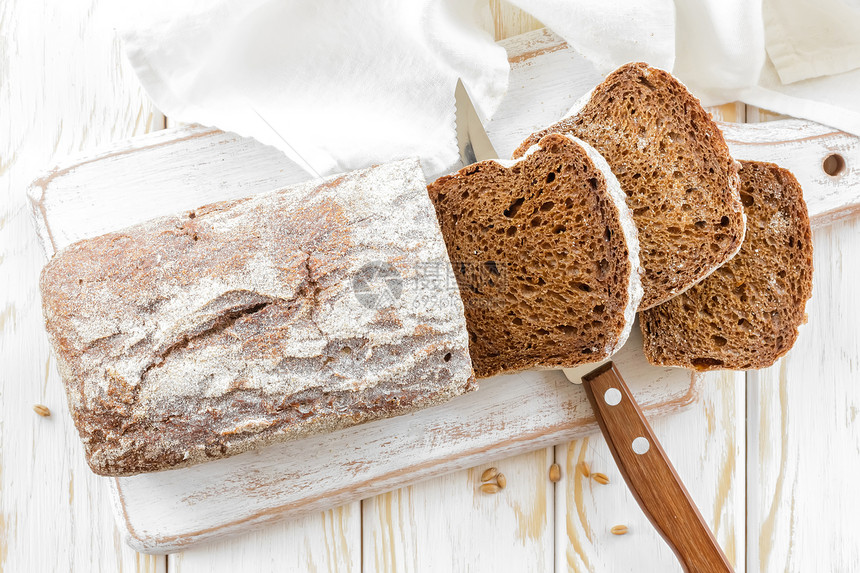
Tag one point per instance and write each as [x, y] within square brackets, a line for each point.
[183, 168]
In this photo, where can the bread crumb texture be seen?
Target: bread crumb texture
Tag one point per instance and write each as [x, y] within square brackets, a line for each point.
[746, 314]
[540, 256]
[675, 168]
[241, 323]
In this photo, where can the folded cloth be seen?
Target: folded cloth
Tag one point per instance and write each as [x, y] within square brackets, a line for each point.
[812, 38]
[719, 47]
[761, 48]
[611, 32]
[336, 85]
[340, 85]
[731, 50]
[829, 100]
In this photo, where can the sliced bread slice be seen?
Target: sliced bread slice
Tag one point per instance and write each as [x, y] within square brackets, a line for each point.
[545, 254]
[746, 314]
[674, 166]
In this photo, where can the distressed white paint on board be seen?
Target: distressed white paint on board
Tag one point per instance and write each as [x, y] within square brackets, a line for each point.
[162, 173]
[509, 415]
[546, 79]
[802, 147]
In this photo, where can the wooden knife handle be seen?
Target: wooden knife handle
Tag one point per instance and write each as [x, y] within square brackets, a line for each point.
[649, 474]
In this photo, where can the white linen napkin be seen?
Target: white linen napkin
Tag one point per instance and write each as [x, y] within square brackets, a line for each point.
[772, 55]
[733, 50]
[341, 85]
[812, 38]
[338, 84]
[611, 32]
[719, 47]
[829, 100]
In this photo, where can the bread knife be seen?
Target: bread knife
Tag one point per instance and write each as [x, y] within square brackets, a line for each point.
[473, 143]
[644, 465]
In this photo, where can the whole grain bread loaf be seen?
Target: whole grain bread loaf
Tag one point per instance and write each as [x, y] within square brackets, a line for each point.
[674, 166]
[205, 334]
[746, 314]
[545, 254]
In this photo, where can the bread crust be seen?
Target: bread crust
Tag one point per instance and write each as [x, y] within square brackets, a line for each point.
[675, 167]
[747, 313]
[241, 323]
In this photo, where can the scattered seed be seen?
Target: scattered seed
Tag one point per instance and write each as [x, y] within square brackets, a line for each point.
[490, 488]
[42, 410]
[501, 480]
[618, 529]
[489, 474]
[584, 469]
[600, 478]
[554, 473]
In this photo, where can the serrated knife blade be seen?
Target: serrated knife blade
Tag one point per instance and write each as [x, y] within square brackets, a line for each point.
[473, 142]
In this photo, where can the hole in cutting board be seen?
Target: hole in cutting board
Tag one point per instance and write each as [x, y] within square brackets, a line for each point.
[833, 164]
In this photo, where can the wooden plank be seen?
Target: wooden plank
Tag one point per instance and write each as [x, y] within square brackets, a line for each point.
[507, 416]
[446, 523]
[802, 425]
[327, 541]
[64, 87]
[706, 445]
[803, 429]
[802, 147]
[509, 21]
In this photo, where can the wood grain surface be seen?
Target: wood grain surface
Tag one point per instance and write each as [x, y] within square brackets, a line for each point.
[650, 475]
[706, 446]
[65, 88]
[803, 432]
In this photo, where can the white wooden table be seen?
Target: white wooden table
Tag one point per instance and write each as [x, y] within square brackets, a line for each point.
[771, 457]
